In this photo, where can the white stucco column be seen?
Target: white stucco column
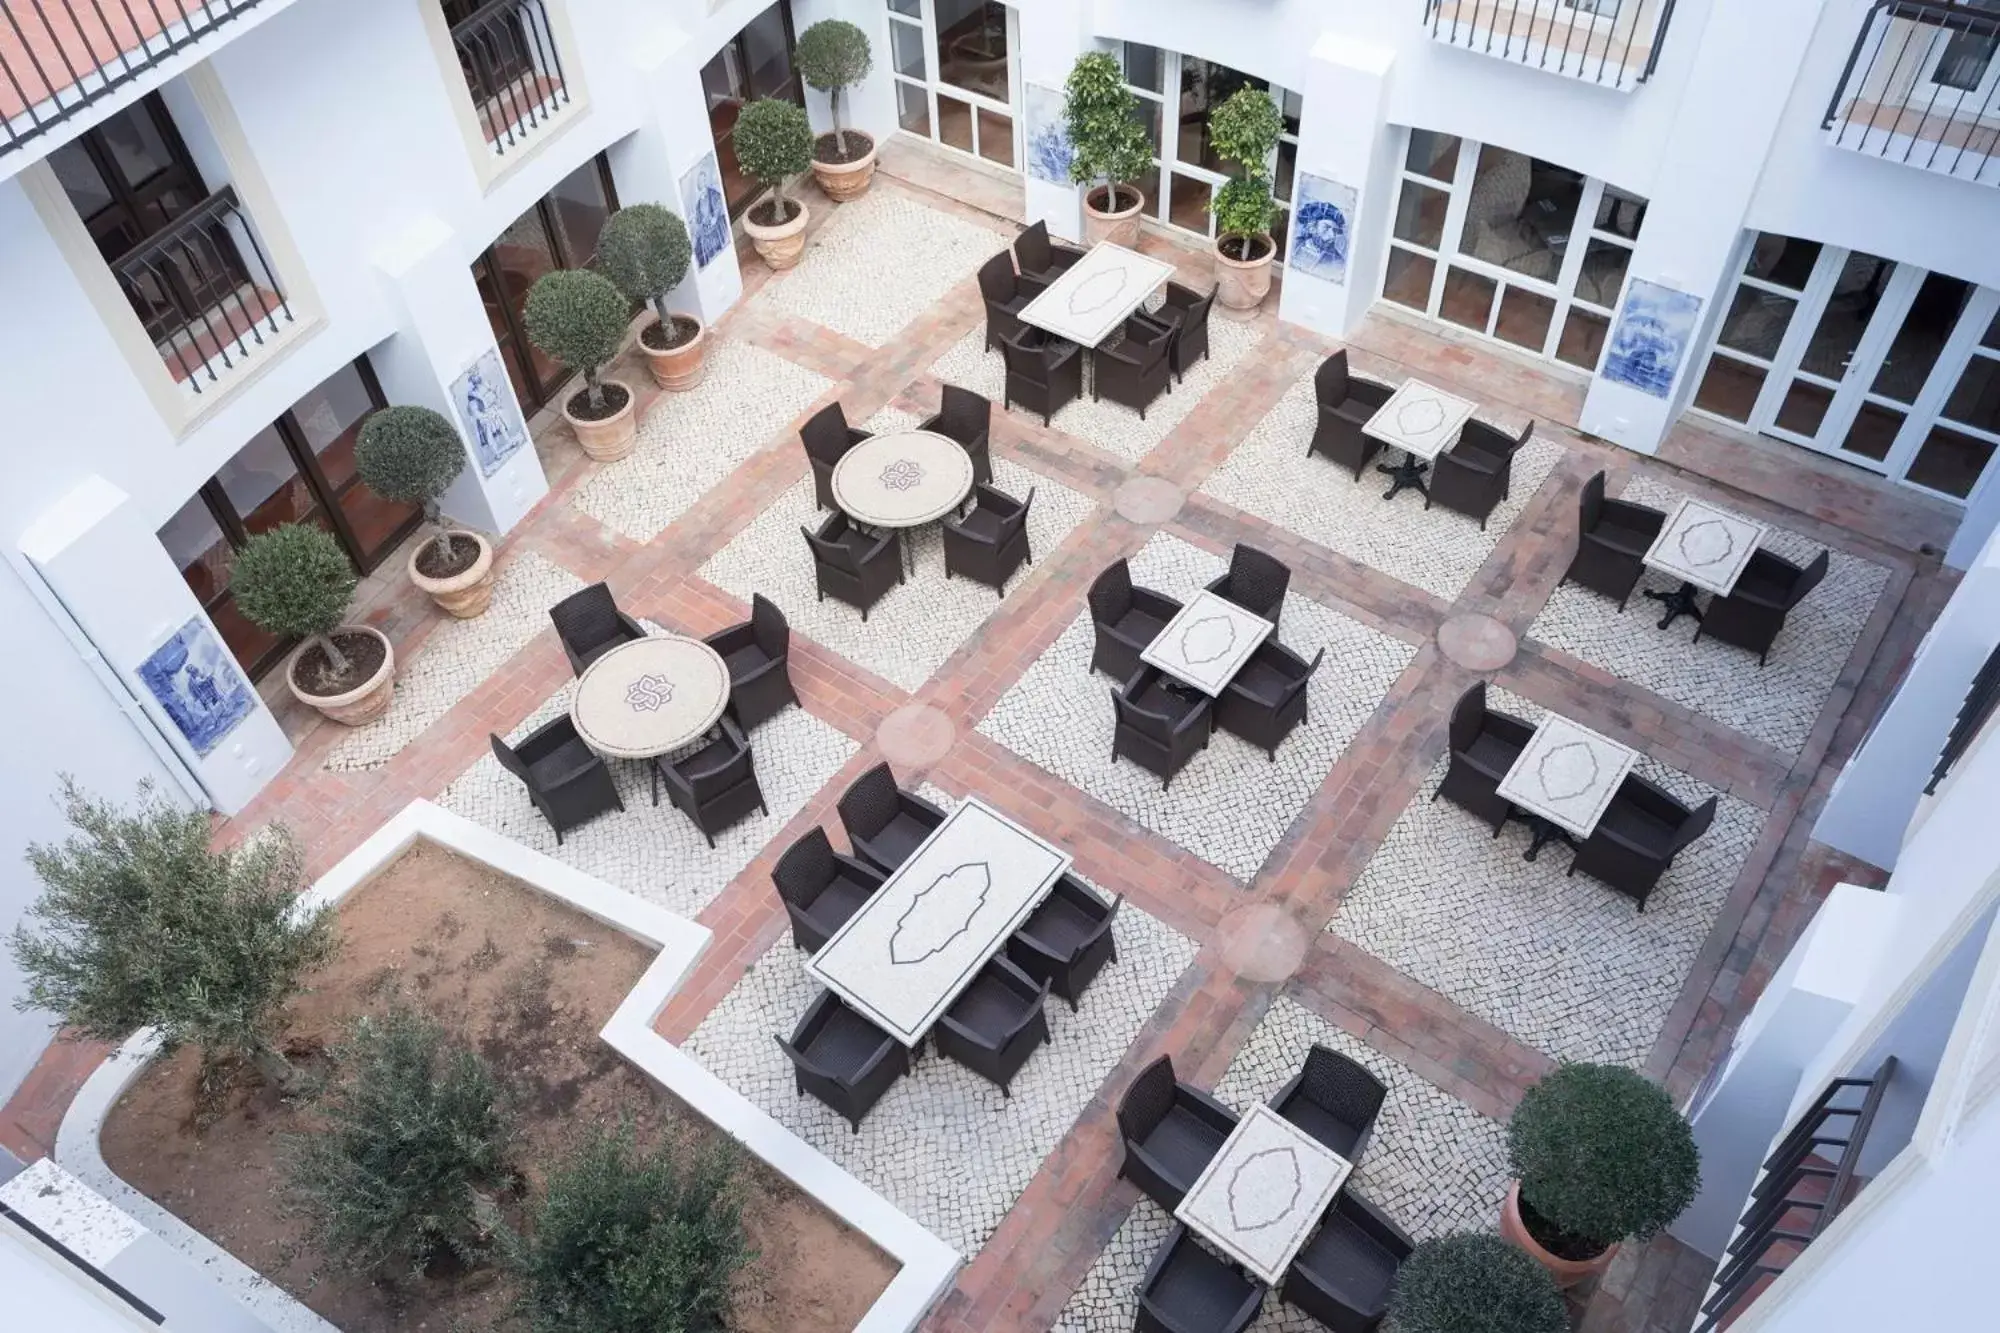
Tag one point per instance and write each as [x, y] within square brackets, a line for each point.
[1053, 34]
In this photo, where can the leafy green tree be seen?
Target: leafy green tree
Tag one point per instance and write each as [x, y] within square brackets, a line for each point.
[295, 582]
[1602, 1154]
[774, 142]
[1475, 1283]
[1108, 142]
[833, 56]
[1244, 129]
[645, 250]
[578, 317]
[410, 456]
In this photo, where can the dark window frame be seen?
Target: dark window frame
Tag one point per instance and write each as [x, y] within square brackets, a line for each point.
[793, 91]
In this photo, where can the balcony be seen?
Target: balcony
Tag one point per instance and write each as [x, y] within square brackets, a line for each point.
[1611, 43]
[512, 68]
[1922, 87]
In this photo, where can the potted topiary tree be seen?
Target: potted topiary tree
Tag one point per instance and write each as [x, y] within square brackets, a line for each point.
[774, 142]
[1244, 130]
[646, 251]
[578, 317]
[833, 56]
[410, 455]
[294, 581]
[1474, 1283]
[1599, 1155]
[1109, 148]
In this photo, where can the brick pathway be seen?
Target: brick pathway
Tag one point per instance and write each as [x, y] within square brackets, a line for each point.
[1026, 1272]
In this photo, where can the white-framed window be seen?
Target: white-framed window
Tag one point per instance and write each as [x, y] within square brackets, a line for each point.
[1516, 249]
[956, 77]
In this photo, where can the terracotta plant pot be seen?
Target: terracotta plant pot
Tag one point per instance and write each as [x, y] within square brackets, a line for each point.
[466, 593]
[366, 701]
[779, 246]
[1120, 227]
[611, 439]
[842, 181]
[679, 368]
[1567, 1272]
[1243, 283]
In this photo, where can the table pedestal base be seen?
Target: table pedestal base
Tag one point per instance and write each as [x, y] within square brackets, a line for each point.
[1405, 475]
[1680, 602]
[1545, 831]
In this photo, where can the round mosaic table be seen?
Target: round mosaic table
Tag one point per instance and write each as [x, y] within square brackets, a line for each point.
[650, 696]
[903, 480]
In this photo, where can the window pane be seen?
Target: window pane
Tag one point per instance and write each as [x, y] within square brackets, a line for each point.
[1280, 226]
[1582, 338]
[768, 54]
[1856, 293]
[954, 122]
[1420, 215]
[1432, 154]
[581, 208]
[1784, 260]
[1149, 185]
[906, 49]
[1408, 280]
[1873, 431]
[1756, 322]
[330, 418]
[1524, 318]
[1950, 462]
[1620, 213]
[1991, 338]
[1148, 114]
[913, 108]
[1205, 85]
[135, 143]
[1730, 388]
[1290, 107]
[1913, 355]
[1976, 400]
[996, 137]
[1603, 273]
[198, 548]
[1288, 161]
[1804, 407]
[1521, 212]
[1468, 298]
[1144, 67]
[80, 179]
[914, 8]
[263, 484]
[1190, 203]
[251, 647]
[972, 46]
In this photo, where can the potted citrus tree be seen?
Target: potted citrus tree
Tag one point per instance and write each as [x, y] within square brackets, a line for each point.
[645, 250]
[1244, 130]
[774, 142]
[1474, 1283]
[833, 56]
[1599, 1155]
[410, 455]
[579, 318]
[295, 582]
[1109, 148]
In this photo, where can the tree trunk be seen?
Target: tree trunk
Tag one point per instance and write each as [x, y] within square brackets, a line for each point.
[593, 390]
[443, 539]
[335, 659]
[276, 1070]
[839, 134]
[666, 320]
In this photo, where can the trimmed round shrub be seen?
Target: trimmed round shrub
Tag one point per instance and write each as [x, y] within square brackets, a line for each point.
[1475, 1283]
[295, 582]
[645, 251]
[579, 318]
[410, 455]
[1602, 1155]
[774, 142]
[1109, 144]
[833, 56]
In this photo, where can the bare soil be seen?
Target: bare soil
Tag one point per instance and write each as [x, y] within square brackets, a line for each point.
[464, 552]
[826, 148]
[765, 212]
[615, 398]
[666, 339]
[529, 982]
[364, 652]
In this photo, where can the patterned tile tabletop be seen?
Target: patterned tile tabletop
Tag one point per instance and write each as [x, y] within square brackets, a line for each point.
[1207, 643]
[1096, 294]
[1263, 1193]
[1568, 774]
[1421, 418]
[650, 696]
[902, 480]
[1708, 547]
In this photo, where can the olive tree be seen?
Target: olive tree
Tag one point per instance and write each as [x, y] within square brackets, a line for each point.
[295, 582]
[410, 455]
[579, 318]
[774, 142]
[833, 56]
[645, 250]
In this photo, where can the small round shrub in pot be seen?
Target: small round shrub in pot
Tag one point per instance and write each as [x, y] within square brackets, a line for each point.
[833, 56]
[1109, 148]
[645, 250]
[1474, 1283]
[410, 455]
[1599, 1155]
[1244, 130]
[295, 582]
[774, 142]
[579, 318]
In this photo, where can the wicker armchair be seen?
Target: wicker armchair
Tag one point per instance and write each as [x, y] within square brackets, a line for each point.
[1334, 1099]
[966, 417]
[1484, 745]
[716, 786]
[1068, 940]
[1170, 1132]
[758, 653]
[821, 888]
[1126, 618]
[1188, 1289]
[1345, 404]
[1042, 260]
[1044, 374]
[1472, 476]
[1254, 581]
[567, 780]
[1639, 835]
[856, 568]
[884, 823]
[1754, 612]
[1267, 698]
[590, 625]
[1612, 538]
[996, 1023]
[1345, 1273]
[1135, 371]
[842, 1059]
[991, 542]
[827, 438]
[1158, 727]
[1004, 298]
[1185, 313]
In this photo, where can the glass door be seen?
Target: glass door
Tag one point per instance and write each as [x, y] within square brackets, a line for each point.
[756, 62]
[957, 82]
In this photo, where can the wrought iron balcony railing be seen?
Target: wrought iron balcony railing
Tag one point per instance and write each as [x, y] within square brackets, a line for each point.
[1614, 43]
[1922, 86]
[512, 68]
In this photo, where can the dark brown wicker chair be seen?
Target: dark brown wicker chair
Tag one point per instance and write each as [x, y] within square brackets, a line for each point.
[1267, 698]
[1068, 940]
[1471, 477]
[851, 565]
[758, 653]
[1004, 296]
[567, 780]
[966, 417]
[1041, 259]
[1334, 1099]
[1754, 612]
[1612, 538]
[996, 1023]
[1044, 374]
[1170, 1132]
[1185, 314]
[827, 438]
[991, 542]
[1345, 404]
[1345, 1273]
[884, 823]
[590, 625]
[1188, 1289]
[1126, 618]
[821, 888]
[1135, 371]
[1484, 745]
[716, 786]
[1158, 727]
[1641, 832]
[842, 1059]
[1254, 581]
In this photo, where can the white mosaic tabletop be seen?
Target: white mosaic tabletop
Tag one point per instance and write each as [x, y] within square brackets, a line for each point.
[1264, 1192]
[1421, 418]
[1568, 774]
[1708, 547]
[1207, 643]
[902, 480]
[650, 696]
[923, 936]
[1090, 300]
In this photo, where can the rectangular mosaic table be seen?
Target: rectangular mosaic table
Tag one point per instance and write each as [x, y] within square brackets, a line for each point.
[1704, 545]
[1420, 419]
[1207, 643]
[923, 936]
[1567, 774]
[1096, 294]
[1264, 1192]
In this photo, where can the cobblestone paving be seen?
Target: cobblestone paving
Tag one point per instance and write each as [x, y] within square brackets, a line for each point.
[1434, 1164]
[1270, 475]
[1560, 961]
[1777, 703]
[1058, 715]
